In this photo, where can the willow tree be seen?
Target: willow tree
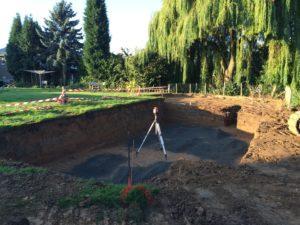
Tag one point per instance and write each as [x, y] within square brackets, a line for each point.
[230, 40]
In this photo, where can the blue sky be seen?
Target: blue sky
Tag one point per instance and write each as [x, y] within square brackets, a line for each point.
[129, 19]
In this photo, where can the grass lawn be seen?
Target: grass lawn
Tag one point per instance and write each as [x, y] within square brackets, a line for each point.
[92, 101]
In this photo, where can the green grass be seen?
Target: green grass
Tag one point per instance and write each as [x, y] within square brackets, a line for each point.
[93, 101]
[25, 171]
[108, 195]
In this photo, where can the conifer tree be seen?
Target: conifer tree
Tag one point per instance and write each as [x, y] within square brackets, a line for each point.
[61, 38]
[13, 50]
[30, 45]
[97, 38]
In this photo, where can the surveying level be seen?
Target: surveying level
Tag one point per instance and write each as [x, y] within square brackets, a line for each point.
[156, 126]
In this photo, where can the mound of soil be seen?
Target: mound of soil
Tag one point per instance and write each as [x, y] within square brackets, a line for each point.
[207, 193]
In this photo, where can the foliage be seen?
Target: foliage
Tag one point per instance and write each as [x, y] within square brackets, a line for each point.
[97, 40]
[137, 195]
[296, 97]
[61, 38]
[148, 69]
[230, 40]
[13, 49]
[24, 50]
[277, 69]
[232, 89]
[31, 48]
[111, 73]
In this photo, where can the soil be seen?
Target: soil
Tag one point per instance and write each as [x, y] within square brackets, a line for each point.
[228, 195]
[182, 141]
[273, 148]
[260, 187]
[47, 141]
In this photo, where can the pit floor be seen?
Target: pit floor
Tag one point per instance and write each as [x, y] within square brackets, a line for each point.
[181, 141]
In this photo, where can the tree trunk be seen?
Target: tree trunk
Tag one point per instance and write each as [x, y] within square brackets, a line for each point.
[231, 66]
[223, 67]
[64, 67]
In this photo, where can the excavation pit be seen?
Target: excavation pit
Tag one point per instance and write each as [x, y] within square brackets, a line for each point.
[182, 141]
[95, 145]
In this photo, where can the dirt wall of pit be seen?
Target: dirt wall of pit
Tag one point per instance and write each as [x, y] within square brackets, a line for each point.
[191, 114]
[50, 140]
[185, 113]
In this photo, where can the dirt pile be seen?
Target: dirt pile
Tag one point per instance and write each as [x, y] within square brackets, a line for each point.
[224, 195]
[274, 150]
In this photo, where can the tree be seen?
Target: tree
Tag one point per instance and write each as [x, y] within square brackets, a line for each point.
[112, 72]
[31, 46]
[61, 38]
[148, 69]
[97, 38]
[225, 39]
[13, 50]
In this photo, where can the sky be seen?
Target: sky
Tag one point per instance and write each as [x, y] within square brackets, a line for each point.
[129, 19]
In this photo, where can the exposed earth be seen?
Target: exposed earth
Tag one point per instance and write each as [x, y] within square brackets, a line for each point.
[257, 186]
[183, 142]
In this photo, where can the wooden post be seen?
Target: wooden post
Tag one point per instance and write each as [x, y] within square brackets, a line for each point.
[205, 89]
[169, 88]
[224, 88]
[190, 88]
[273, 90]
[241, 90]
[40, 80]
[176, 87]
[196, 87]
[288, 96]
[259, 90]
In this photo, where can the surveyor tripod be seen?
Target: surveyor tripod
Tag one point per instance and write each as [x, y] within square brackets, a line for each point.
[156, 126]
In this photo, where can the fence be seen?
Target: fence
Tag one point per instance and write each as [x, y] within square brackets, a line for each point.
[227, 89]
[159, 90]
[181, 88]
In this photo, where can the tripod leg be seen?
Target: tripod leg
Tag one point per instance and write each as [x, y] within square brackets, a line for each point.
[139, 149]
[161, 140]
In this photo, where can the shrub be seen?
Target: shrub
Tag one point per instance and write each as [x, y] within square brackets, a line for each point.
[139, 195]
[232, 89]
